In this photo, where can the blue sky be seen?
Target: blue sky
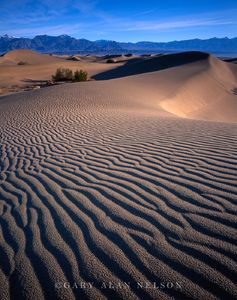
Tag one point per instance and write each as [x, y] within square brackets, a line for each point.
[128, 20]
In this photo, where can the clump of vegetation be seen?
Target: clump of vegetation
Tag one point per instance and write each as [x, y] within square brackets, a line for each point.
[22, 63]
[80, 75]
[62, 74]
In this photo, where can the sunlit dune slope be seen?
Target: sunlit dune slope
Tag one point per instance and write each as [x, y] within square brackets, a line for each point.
[29, 57]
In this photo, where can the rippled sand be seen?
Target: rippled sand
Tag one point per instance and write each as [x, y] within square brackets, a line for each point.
[99, 183]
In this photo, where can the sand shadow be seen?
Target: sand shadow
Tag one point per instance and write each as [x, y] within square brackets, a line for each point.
[151, 64]
[37, 81]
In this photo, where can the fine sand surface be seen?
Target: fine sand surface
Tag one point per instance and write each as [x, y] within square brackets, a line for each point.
[131, 179]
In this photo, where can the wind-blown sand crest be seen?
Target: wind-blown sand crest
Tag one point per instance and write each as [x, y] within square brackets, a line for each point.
[105, 182]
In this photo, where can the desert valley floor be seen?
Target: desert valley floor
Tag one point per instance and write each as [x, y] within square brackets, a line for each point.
[123, 179]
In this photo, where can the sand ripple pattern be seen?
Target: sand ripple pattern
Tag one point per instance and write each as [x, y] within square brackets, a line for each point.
[94, 189]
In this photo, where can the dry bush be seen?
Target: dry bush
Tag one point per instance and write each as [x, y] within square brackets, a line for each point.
[62, 74]
[80, 75]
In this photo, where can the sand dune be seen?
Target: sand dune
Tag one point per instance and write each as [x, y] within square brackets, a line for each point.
[190, 84]
[207, 94]
[39, 68]
[102, 182]
[29, 57]
[202, 88]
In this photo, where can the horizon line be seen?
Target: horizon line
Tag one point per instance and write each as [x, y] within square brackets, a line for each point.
[140, 41]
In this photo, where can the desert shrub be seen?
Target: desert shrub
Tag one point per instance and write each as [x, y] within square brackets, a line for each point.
[22, 63]
[80, 75]
[110, 61]
[62, 74]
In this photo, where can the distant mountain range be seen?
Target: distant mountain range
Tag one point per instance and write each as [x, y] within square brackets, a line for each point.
[65, 44]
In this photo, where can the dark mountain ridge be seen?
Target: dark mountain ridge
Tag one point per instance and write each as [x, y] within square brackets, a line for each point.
[67, 44]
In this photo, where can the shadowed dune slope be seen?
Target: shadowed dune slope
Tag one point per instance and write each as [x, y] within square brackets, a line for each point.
[143, 65]
[100, 185]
